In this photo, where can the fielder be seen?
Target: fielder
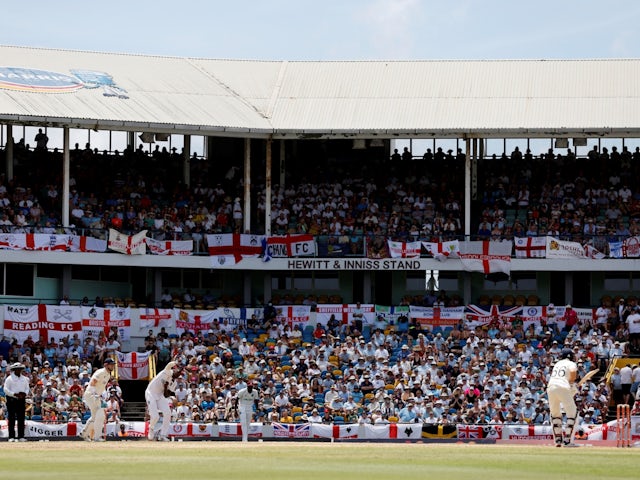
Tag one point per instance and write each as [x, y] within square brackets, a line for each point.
[92, 398]
[247, 398]
[561, 390]
[157, 397]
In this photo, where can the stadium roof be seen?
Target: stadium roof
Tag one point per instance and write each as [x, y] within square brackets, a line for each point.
[418, 99]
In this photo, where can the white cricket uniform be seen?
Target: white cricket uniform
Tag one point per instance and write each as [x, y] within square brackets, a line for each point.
[157, 403]
[92, 398]
[246, 401]
[560, 391]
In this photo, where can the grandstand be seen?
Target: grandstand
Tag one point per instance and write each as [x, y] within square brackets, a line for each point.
[307, 155]
[274, 131]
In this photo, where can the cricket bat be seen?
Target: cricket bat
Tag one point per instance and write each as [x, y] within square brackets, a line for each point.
[587, 377]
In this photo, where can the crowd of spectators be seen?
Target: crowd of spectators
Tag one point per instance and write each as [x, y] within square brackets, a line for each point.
[583, 199]
[518, 195]
[337, 373]
[59, 371]
[457, 376]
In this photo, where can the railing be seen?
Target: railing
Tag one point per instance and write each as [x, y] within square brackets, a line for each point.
[357, 245]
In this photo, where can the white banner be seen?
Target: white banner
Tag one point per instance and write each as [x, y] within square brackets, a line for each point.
[319, 430]
[407, 431]
[87, 244]
[191, 430]
[44, 322]
[404, 249]
[344, 313]
[235, 430]
[487, 257]
[231, 319]
[530, 247]
[230, 248]
[195, 320]
[443, 250]
[128, 244]
[563, 249]
[170, 247]
[98, 319]
[133, 365]
[436, 317]
[156, 318]
[34, 241]
[294, 314]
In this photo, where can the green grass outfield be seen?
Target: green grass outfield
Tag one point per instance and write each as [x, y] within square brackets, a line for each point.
[289, 460]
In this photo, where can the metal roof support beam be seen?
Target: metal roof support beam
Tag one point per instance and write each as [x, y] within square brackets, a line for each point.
[246, 217]
[267, 186]
[186, 161]
[283, 163]
[66, 169]
[467, 183]
[9, 153]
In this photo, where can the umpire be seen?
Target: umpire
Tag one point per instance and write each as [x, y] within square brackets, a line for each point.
[16, 388]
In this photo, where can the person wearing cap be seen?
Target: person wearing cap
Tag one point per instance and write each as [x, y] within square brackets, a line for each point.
[248, 398]
[314, 417]
[157, 397]
[528, 412]
[408, 414]
[16, 389]
[92, 398]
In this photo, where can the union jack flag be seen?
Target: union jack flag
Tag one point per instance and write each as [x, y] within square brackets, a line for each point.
[281, 430]
[477, 315]
[469, 431]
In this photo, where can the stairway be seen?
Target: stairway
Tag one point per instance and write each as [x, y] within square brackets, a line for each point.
[133, 411]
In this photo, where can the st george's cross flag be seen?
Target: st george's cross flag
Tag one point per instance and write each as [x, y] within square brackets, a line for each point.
[170, 247]
[403, 249]
[530, 247]
[79, 243]
[34, 241]
[230, 248]
[133, 365]
[486, 256]
[41, 322]
[128, 244]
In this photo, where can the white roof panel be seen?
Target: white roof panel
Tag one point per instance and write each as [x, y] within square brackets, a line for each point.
[418, 98]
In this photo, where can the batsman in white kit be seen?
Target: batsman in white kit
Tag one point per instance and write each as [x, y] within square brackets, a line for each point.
[157, 396]
[247, 398]
[92, 398]
[561, 389]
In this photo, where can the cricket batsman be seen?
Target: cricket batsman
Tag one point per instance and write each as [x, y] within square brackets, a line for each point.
[92, 398]
[561, 389]
[157, 396]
